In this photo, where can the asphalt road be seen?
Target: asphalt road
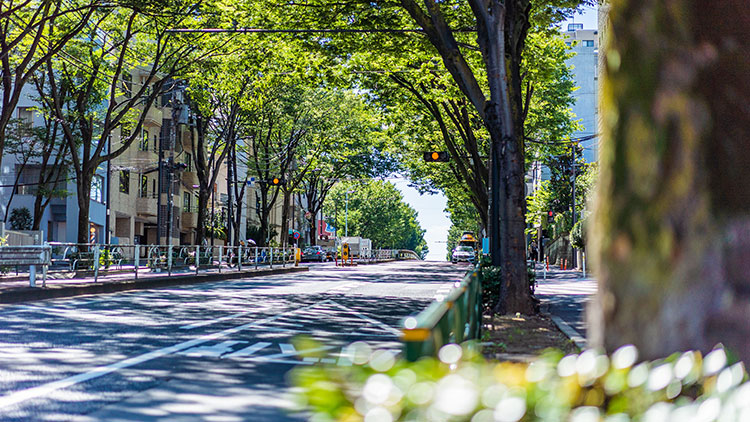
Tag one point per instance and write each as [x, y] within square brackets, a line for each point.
[208, 352]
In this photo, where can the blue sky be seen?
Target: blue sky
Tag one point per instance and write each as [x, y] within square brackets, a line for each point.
[432, 216]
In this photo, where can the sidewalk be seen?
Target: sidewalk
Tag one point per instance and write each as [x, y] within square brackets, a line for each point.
[15, 289]
[564, 295]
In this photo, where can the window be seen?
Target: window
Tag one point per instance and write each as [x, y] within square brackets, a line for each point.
[588, 43]
[124, 133]
[188, 162]
[156, 144]
[125, 181]
[574, 26]
[25, 120]
[143, 188]
[153, 188]
[144, 141]
[97, 187]
[127, 85]
[186, 202]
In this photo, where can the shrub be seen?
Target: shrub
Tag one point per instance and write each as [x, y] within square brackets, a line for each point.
[578, 235]
[20, 219]
[492, 284]
[462, 386]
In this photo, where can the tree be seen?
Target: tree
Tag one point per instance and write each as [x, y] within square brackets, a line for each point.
[93, 95]
[671, 218]
[377, 212]
[45, 152]
[20, 219]
[216, 96]
[31, 33]
[351, 146]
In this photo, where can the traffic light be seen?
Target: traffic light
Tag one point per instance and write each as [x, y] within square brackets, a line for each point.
[550, 217]
[276, 181]
[437, 156]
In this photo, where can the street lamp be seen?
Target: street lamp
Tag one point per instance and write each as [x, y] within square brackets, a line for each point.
[346, 213]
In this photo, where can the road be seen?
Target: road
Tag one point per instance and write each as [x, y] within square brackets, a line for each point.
[566, 294]
[208, 352]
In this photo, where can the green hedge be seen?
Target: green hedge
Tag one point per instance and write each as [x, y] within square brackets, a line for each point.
[588, 387]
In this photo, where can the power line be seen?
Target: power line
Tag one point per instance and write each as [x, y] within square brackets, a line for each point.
[306, 31]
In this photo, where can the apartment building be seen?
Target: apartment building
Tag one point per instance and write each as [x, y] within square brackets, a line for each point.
[128, 190]
[19, 176]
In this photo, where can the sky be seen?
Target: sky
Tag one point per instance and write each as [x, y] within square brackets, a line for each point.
[431, 216]
[588, 19]
[430, 208]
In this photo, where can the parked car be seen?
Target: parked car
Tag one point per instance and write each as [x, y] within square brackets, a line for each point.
[314, 253]
[463, 253]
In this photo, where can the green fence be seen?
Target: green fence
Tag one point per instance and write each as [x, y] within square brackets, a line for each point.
[456, 318]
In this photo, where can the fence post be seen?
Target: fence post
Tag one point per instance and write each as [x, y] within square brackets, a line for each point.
[197, 258]
[239, 257]
[32, 275]
[45, 267]
[256, 257]
[136, 259]
[221, 248]
[96, 263]
[169, 260]
[270, 262]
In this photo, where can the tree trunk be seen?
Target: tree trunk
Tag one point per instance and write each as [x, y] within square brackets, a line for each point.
[285, 218]
[671, 234]
[38, 212]
[83, 185]
[204, 196]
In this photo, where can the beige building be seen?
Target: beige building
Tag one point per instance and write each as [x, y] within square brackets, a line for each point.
[135, 197]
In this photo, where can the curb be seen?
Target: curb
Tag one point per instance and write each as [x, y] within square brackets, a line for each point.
[569, 331]
[27, 294]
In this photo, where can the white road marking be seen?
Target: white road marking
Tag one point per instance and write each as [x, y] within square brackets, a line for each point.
[250, 350]
[211, 351]
[368, 319]
[44, 389]
[213, 321]
[288, 351]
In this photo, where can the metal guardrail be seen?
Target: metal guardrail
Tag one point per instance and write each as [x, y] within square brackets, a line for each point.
[456, 318]
[31, 256]
[87, 259]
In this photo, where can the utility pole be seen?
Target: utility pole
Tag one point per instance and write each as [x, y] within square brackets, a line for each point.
[107, 237]
[573, 171]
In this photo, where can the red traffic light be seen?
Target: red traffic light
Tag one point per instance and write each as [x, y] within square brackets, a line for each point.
[550, 213]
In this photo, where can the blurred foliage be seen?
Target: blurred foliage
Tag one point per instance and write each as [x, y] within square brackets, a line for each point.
[462, 386]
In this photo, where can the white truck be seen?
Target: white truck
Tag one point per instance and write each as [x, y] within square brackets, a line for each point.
[359, 247]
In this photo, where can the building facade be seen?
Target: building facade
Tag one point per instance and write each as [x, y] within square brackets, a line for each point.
[585, 66]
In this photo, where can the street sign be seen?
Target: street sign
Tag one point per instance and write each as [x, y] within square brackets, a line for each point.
[296, 235]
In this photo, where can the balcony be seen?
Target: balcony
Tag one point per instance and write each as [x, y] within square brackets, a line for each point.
[146, 206]
[153, 116]
[190, 178]
[190, 219]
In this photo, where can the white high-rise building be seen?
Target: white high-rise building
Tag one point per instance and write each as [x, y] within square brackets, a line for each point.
[585, 44]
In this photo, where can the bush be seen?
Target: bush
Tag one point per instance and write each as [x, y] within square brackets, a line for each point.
[462, 386]
[492, 284]
[20, 219]
[578, 234]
